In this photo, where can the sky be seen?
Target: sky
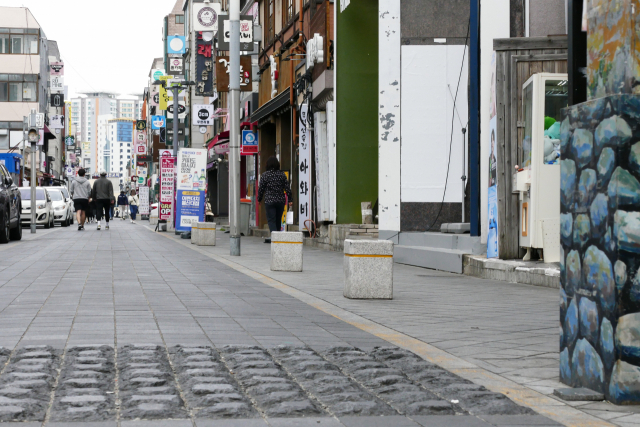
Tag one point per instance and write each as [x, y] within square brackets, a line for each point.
[106, 45]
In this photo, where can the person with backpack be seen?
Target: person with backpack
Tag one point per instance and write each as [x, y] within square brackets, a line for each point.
[81, 194]
[102, 193]
[123, 201]
[134, 202]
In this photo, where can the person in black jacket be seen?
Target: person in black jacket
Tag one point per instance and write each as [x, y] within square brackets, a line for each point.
[122, 204]
[273, 187]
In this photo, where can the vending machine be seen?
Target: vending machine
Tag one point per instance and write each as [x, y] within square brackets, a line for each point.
[537, 178]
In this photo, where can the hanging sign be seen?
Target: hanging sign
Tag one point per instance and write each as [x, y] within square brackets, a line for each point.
[223, 70]
[205, 16]
[164, 97]
[175, 66]
[57, 83]
[203, 115]
[246, 33]
[157, 122]
[304, 168]
[156, 73]
[141, 137]
[182, 110]
[57, 100]
[56, 122]
[249, 143]
[57, 68]
[154, 99]
[176, 45]
[143, 200]
[68, 141]
[204, 68]
[141, 125]
[141, 149]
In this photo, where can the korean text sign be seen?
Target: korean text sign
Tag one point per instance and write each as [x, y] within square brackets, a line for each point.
[192, 163]
[304, 166]
[166, 186]
[189, 209]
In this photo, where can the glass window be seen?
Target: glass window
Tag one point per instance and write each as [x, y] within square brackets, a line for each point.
[5, 46]
[4, 91]
[31, 44]
[26, 193]
[55, 195]
[179, 19]
[528, 117]
[16, 44]
[556, 97]
[29, 92]
[4, 141]
[15, 92]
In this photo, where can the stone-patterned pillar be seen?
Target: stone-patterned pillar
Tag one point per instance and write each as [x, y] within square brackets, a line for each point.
[600, 233]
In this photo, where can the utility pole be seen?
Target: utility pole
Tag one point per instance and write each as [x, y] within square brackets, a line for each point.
[234, 131]
[34, 136]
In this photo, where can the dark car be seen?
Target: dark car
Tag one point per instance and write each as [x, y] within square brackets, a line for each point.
[10, 208]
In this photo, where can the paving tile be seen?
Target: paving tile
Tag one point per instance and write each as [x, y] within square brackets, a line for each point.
[386, 421]
[450, 421]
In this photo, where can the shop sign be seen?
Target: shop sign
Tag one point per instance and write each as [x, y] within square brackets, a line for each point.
[141, 137]
[204, 68]
[304, 168]
[57, 68]
[157, 122]
[205, 16]
[57, 83]
[56, 122]
[141, 125]
[203, 114]
[176, 45]
[189, 209]
[156, 73]
[182, 110]
[166, 186]
[192, 163]
[175, 66]
[143, 200]
[57, 99]
[249, 143]
[246, 33]
[223, 69]
[144, 158]
[164, 97]
[221, 148]
[141, 149]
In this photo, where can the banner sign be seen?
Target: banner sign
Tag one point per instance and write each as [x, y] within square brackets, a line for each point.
[189, 209]
[205, 16]
[57, 83]
[223, 76]
[143, 200]
[157, 122]
[304, 166]
[203, 114]
[249, 143]
[164, 97]
[57, 68]
[166, 186]
[192, 163]
[493, 247]
[204, 68]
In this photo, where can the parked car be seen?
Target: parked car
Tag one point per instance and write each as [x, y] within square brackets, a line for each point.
[10, 208]
[44, 207]
[153, 210]
[62, 208]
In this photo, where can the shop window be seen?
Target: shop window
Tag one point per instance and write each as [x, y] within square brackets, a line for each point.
[287, 12]
[271, 22]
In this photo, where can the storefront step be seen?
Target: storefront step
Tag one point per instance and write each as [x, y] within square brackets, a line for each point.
[515, 271]
[429, 257]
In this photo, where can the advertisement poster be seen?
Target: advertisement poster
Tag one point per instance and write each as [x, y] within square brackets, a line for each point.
[192, 163]
[304, 177]
[166, 186]
[189, 209]
[143, 200]
[492, 235]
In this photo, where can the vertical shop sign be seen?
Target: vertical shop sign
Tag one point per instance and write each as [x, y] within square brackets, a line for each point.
[304, 169]
[492, 235]
[143, 200]
[204, 67]
[166, 186]
[191, 166]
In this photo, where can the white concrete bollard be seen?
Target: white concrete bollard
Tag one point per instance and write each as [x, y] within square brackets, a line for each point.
[368, 269]
[206, 234]
[153, 220]
[194, 233]
[286, 251]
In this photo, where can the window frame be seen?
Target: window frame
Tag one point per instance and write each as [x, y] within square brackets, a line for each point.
[288, 11]
[21, 79]
[270, 24]
[179, 21]
[24, 33]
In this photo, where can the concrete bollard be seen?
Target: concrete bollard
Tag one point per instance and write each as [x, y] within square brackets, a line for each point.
[368, 269]
[153, 220]
[286, 251]
[194, 233]
[206, 234]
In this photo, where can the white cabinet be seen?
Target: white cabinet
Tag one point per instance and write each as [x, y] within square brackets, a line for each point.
[544, 95]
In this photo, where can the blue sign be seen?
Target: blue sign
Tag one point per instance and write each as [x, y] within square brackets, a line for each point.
[125, 132]
[189, 209]
[157, 122]
[249, 142]
[176, 44]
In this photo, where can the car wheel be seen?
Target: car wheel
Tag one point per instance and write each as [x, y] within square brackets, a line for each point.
[16, 233]
[4, 231]
[65, 223]
[48, 224]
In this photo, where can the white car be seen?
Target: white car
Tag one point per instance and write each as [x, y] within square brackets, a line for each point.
[153, 211]
[44, 207]
[62, 206]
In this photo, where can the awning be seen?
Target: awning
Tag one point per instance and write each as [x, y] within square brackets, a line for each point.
[47, 134]
[271, 107]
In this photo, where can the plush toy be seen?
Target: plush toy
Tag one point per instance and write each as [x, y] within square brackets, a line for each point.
[548, 121]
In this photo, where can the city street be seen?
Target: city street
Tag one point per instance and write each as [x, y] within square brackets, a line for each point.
[109, 327]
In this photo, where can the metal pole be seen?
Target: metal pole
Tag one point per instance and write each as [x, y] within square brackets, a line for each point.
[175, 90]
[464, 171]
[33, 188]
[234, 133]
[474, 119]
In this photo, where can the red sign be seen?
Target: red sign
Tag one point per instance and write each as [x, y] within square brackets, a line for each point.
[141, 149]
[167, 178]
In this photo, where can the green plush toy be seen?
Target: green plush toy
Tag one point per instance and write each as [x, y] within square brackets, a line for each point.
[548, 121]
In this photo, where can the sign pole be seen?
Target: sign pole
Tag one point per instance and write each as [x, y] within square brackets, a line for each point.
[33, 176]
[175, 141]
[234, 140]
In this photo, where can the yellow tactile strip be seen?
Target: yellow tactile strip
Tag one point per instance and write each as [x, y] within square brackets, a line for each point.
[540, 403]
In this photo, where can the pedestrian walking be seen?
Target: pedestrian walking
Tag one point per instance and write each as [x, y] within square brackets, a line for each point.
[274, 185]
[102, 193]
[134, 202]
[123, 201]
[81, 195]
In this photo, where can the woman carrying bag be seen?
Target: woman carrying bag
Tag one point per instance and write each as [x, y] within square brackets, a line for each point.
[274, 186]
[133, 205]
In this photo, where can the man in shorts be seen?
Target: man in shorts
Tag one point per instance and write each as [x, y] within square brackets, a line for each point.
[103, 195]
[80, 193]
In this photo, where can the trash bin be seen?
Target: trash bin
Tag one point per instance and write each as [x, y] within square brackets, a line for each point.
[245, 213]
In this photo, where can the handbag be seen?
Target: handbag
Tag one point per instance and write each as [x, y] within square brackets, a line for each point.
[290, 217]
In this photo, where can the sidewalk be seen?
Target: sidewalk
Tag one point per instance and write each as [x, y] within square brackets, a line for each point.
[501, 335]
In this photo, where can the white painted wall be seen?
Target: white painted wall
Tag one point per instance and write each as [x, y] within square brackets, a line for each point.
[389, 84]
[429, 79]
[494, 23]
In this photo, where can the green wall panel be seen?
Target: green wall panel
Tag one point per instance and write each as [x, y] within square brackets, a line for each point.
[356, 108]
